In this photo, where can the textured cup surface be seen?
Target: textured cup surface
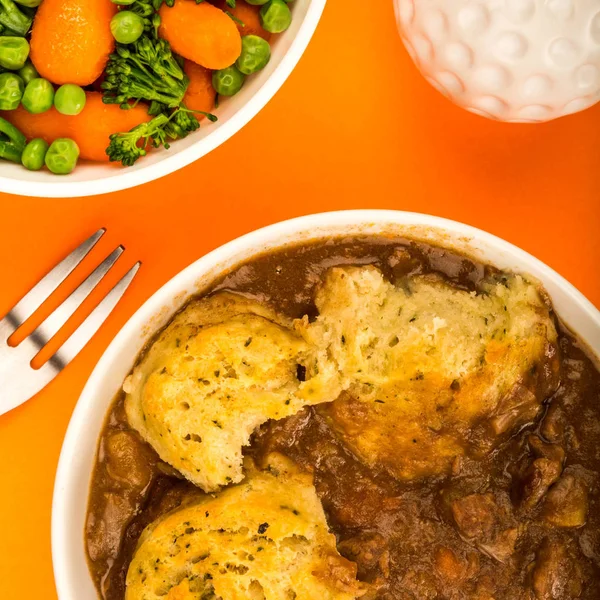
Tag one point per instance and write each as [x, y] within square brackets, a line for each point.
[512, 60]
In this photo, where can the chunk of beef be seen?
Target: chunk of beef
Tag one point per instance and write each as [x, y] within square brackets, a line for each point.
[127, 460]
[556, 574]
[482, 521]
[566, 504]
[421, 584]
[553, 424]
[449, 566]
[452, 568]
[486, 589]
[104, 534]
[475, 515]
[541, 449]
[543, 472]
[369, 551]
[517, 408]
[502, 545]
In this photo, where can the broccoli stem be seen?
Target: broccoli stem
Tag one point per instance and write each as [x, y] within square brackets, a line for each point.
[12, 142]
[146, 70]
[10, 152]
[139, 84]
[128, 147]
[158, 54]
[170, 76]
[14, 19]
[12, 133]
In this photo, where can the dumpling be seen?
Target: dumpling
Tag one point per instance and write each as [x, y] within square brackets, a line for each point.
[431, 370]
[221, 368]
[266, 539]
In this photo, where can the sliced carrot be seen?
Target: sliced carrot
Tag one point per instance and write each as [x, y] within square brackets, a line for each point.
[200, 94]
[248, 16]
[201, 33]
[90, 129]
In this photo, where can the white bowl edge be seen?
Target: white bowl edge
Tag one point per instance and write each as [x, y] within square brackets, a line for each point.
[73, 581]
[91, 179]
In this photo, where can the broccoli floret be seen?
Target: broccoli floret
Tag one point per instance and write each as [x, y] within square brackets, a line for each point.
[181, 123]
[145, 70]
[14, 19]
[127, 147]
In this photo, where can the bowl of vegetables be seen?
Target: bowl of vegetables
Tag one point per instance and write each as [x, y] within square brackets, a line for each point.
[102, 95]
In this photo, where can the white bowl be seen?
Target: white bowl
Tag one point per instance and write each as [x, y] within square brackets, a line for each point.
[78, 453]
[90, 179]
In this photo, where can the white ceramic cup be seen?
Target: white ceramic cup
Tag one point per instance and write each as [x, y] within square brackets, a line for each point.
[73, 580]
[90, 178]
[522, 61]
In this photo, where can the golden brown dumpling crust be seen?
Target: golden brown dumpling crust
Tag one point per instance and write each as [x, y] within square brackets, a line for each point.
[266, 539]
[221, 368]
[430, 369]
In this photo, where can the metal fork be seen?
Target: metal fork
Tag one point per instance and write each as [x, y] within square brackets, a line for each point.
[19, 381]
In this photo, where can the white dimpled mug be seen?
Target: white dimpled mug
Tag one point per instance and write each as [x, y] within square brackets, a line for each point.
[511, 60]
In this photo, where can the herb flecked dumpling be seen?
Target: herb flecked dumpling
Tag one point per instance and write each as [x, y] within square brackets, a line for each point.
[430, 371]
[265, 539]
[221, 368]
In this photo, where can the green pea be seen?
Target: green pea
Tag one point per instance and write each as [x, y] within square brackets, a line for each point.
[34, 154]
[229, 81]
[62, 156]
[256, 2]
[126, 27]
[275, 16]
[256, 53]
[38, 96]
[28, 73]
[11, 91]
[69, 99]
[13, 52]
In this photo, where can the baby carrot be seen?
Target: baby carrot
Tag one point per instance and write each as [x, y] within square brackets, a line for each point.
[201, 33]
[247, 17]
[90, 129]
[71, 40]
[200, 94]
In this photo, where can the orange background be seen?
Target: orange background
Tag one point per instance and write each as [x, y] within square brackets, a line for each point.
[355, 126]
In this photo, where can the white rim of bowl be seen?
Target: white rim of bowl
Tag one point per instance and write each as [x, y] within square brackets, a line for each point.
[282, 230]
[174, 162]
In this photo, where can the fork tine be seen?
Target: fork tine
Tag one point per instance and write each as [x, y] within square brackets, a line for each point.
[82, 335]
[48, 284]
[50, 327]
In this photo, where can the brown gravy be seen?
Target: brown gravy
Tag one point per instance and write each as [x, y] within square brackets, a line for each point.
[405, 538]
